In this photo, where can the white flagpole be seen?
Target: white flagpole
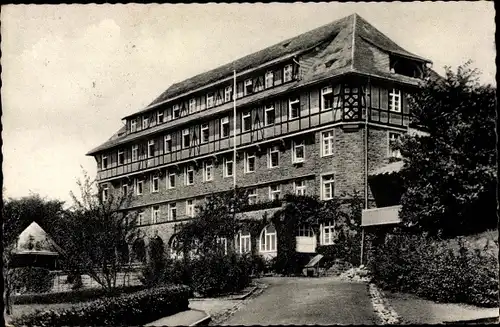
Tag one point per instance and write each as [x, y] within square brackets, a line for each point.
[234, 130]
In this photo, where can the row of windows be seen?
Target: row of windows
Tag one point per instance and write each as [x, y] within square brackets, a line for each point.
[274, 193]
[298, 154]
[219, 97]
[267, 239]
[201, 133]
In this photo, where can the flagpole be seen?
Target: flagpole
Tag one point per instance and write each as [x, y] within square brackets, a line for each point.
[234, 131]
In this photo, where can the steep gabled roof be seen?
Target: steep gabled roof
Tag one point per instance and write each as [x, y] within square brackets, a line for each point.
[341, 47]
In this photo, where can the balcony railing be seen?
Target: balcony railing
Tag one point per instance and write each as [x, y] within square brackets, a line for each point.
[261, 133]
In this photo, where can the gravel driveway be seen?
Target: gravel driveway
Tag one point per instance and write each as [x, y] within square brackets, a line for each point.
[307, 301]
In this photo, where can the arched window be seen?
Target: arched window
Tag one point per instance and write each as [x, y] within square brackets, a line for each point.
[268, 239]
[242, 242]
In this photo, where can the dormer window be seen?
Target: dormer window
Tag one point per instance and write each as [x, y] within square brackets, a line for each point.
[395, 100]
[176, 111]
[228, 92]
[133, 125]
[248, 87]
[269, 79]
[210, 100]
[145, 122]
[287, 73]
[294, 106]
[192, 105]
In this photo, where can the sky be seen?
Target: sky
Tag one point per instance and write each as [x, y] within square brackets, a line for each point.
[70, 73]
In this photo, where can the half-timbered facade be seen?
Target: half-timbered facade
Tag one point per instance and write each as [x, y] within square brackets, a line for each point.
[315, 114]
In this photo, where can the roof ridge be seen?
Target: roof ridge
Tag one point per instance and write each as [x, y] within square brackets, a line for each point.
[353, 35]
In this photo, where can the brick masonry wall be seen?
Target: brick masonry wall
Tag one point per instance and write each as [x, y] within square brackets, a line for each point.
[346, 163]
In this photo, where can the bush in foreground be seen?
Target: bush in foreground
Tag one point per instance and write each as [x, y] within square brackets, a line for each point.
[128, 309]
[434, 270]
[81, 295]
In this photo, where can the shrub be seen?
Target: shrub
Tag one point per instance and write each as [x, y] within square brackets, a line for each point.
[129, 309]
[32, 279]
[81, 295]
[434, 270]
[216, 273]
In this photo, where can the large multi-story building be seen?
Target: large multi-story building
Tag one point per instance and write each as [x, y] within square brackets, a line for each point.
[315, 114]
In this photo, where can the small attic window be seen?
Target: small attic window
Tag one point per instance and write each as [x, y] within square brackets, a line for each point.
[329, 63]
[406, 67]
[286, 44]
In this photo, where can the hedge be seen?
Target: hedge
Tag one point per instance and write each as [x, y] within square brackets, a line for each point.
[81, 295]
[128, 309]
[435, 270]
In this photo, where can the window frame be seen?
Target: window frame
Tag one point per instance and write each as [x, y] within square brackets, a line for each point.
[104, 158]
[208, 164]
[246, 115]
[184, 134]
[331, 232]
[153, 179]
[176, 111]
[188, 169]
[324, 181]
[272, 192]
[228, 90]
[390, 152]
[135, 149]
[192, 105]
[249, 155]
[145, 122]
[302, 189]
[151, 151]
[272, 236]
[172, 207]
[224, 121]
[121, 153]
[133, 125]
[395, 100]
[159, 114]
[295, 145]
[155, 214]
[141, 188]
[205, 127]
[252, 193]
[331, 142]
[326, 91]
[210, 100]
[225, 170]
[273, 149]
[169, 184]
[287, 69]
[190, 207]
[167, 140]
[243, 241]
[248, 82]
[269, 108]
[269, 76]
[105, 192]
[292, 101]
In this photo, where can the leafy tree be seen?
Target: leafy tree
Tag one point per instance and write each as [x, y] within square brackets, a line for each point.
[450, 175]
[95, 232]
